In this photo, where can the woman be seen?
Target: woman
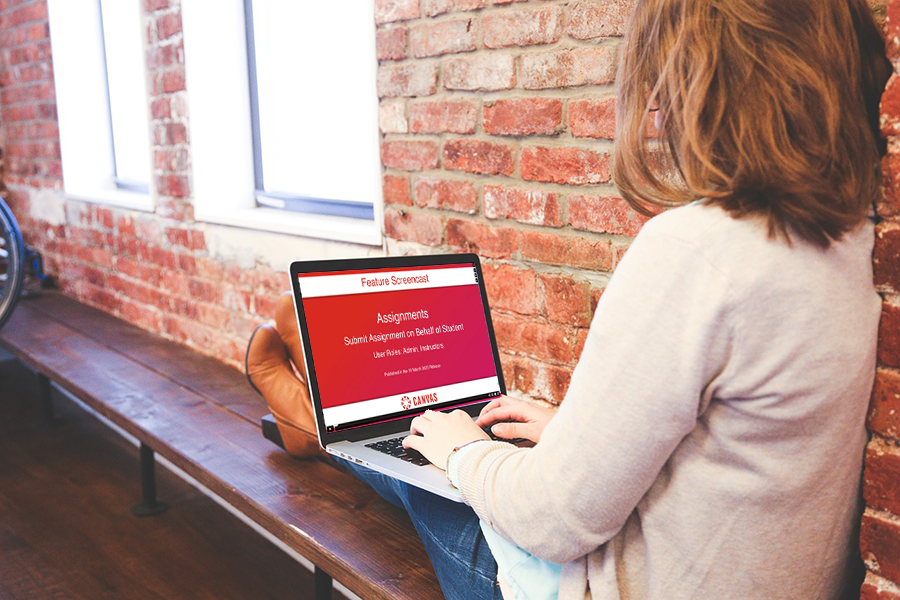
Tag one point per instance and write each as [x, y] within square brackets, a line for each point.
[711, 442]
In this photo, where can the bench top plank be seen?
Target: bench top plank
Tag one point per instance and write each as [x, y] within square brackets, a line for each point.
[204, 375]
[153, 390]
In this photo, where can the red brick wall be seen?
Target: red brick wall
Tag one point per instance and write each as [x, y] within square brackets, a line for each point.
[151, 269]
[497, 119]
[880, 539]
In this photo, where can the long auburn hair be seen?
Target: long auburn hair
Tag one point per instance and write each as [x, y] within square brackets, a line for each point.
[769, 108]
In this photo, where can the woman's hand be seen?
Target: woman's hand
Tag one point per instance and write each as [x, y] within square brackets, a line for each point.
[530, 419]
[436, 434]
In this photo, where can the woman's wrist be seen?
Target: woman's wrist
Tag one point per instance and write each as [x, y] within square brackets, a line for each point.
[451, 463]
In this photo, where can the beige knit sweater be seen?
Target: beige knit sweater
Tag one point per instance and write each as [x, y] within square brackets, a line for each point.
[711, 442]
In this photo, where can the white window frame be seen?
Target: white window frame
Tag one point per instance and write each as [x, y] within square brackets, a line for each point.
[82, 100]
[223, 182]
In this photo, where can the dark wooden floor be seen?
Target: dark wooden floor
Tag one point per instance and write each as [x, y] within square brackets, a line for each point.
[66, 530]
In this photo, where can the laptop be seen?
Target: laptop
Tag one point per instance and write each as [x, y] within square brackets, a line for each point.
[385, 339]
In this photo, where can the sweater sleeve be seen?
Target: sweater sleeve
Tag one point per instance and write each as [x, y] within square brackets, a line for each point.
[658, 340]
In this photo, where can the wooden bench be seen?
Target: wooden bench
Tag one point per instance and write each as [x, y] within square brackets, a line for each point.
[203, 417]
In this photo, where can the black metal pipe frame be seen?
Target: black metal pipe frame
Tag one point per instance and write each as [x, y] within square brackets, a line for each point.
[148, 505]
[46, 399]
[323, 584]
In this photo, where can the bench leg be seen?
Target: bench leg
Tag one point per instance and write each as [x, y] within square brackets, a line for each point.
[46, 399]
[148, 505]
[323, 585]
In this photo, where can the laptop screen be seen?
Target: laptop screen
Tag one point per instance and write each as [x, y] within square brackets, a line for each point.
[391, 343]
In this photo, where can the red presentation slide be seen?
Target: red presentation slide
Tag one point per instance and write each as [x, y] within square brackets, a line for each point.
[372, 345]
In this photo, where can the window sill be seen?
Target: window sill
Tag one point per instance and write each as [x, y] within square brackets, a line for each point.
[114, 197]
[315, 226]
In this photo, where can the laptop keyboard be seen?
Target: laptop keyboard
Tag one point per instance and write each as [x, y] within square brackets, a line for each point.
[394, 447]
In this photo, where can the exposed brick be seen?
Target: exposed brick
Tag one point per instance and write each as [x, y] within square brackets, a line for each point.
[36, 11]
[409, 155]
[198, 240]
[160, 108]
[596, 293]
[574, 166]
[889, 336]
[880, 545]
[264, 306]
[413, 227]
[575, 252]
[431, 8]
[443, 37]
[171, 159]
[209, 314]
[439, 116]
[535, 378]
[588, 19]
[511, 289]
[203, 290]
[154, 5]
[187, 264]
[390, 44]
[892, 30]
[235, 298]
[522, 27]
[523, 116]
[593, 118]
[884, 410]
[173, 81]
[566, 300]
[396, 190]
[878, 588]
[392, 116]
[889, 200]
[537, 207]
[533, 338]
[881, 477]
[480, 72]
[444, 193]
[125, 226]
[568, 68]
[415, 79]
[142, 315]
[887, 256]
[173, 186]
[580, 340]
[890, 108]
[387, 11]
[100, 297]
[476, 156]
[619, 248]
[604, 215]
[168, 25]
[178, 237]
[486, 240]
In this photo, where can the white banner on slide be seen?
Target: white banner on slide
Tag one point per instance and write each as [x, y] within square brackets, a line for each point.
[385, 281]
[368, 409]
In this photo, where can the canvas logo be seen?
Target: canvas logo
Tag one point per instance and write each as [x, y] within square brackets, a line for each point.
[406, 402]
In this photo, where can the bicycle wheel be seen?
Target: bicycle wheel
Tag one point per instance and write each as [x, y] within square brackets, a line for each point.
[12, 262]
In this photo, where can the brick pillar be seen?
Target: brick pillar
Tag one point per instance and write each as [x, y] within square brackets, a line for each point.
[880, 535]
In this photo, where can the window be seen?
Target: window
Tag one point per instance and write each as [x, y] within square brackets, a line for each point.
[101, 93]
[313, 106]
[317, 149]
[126, 85]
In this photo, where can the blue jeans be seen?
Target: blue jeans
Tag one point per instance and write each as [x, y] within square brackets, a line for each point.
[465, 567]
